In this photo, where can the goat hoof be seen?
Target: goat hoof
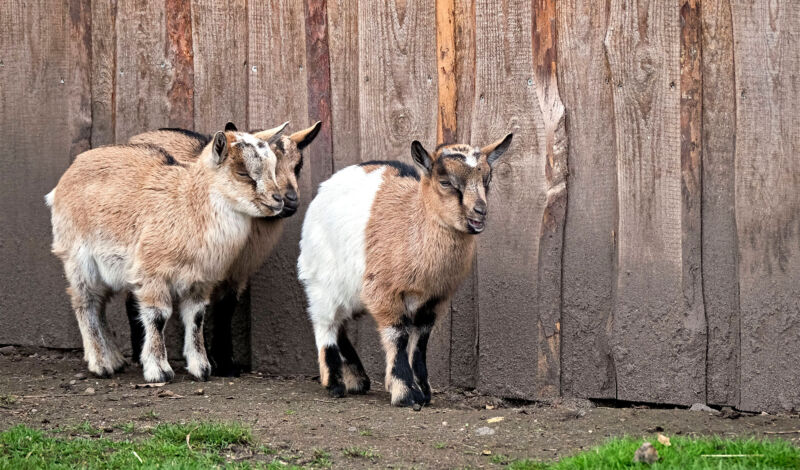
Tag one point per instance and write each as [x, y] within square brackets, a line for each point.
[336, 391]
[360, 388]
[159, 376]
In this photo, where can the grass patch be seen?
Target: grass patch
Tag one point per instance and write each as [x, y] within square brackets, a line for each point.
[684, 454]
[365, 433]
[149, 416]
[439, 445]
[127, 428]
[321, 458]
[7, 400]
[359, 453]
[289, 412]
[24, 448]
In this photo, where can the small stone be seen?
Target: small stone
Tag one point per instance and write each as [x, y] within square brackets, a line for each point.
[89, 391]
[199, 391]
[417, 407]
[484, 431]
[645, 454]
[702, 407]
[73, 382]
[352, 429]
[80, 376]
[8, 350]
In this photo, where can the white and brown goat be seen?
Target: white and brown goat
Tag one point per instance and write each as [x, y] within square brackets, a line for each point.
[185, 146]
[132, 217]
[380, 237]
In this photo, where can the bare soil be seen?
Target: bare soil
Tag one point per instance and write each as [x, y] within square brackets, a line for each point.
[295, 416]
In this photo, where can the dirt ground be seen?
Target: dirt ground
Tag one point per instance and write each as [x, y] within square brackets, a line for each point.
[295, 416]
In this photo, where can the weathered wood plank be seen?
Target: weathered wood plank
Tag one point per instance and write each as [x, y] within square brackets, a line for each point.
[104, 72]
[589, 266]
[651, 314]
[767, 169]
[397, 104]
[320, 155]
[464, 307]
[219, 43]
[180, 57]
[343, 46]
[142, 69]
[720, 275]
[551, 237]
[446, 68]
[43, 115]
[282, 338]
[508, 251]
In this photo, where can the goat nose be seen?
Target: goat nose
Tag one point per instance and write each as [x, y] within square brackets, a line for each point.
[277, 197]
[480, 208]
[291, 195]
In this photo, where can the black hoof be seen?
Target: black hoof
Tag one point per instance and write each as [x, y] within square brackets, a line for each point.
[164, 376]
[204, 375]
[104, 374]
[120, 367]
[361, 388]
[336, 391]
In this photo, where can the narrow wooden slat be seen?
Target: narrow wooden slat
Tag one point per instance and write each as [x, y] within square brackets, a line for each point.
[104, 72]
[43, 82]
[180, 57]
[343, 47]
[767, 170]
[320, 155]
[508, 251]
[589, 265]
[446, 67]
[464, 307]
[720, 274]
[650, 313]
[143, 73]
[282, 338]
[551, 237]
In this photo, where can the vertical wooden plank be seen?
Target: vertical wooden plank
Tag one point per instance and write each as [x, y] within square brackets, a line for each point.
[397, 104]
[343, 46]
[650, 314]
[219, 42]
[551, 236]
[589, 240]
[464, 307]
[320, 155]
[43, 114]
[142, 74]
[506, 100]
[283, 341]
[720, 275]
[691, 118]
[446, 68]
[104, 72]
[767, 62]
[180, 58]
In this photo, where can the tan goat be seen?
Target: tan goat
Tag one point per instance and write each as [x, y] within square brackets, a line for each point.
[132, 217]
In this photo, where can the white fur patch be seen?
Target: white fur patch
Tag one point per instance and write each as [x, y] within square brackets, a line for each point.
[333, 247]
[48, 198]
[471, 161]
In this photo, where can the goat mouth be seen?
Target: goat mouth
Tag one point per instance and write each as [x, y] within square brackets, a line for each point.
[475, 226]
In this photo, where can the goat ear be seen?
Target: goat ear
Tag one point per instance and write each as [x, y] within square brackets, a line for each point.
[219, 148]
[421, 157]
[230, 127]
[496, 149]
[306, 136]
[272, 135]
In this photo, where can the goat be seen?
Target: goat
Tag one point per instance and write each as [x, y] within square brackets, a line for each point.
[133, 217]
[380, 237]
[185, 145]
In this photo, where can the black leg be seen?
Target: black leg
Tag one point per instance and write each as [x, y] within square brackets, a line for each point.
[221, 347]
[400, 377]
[137, 329]
[421, 328]
[330, 368]
[355, 377]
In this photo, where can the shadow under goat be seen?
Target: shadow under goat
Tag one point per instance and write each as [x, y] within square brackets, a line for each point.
[382, 238]
[265, 233]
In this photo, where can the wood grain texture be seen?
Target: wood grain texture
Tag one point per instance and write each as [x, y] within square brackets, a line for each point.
[720, 274]
[219, 42]
[283, 341]
[507, 101]
[650, 313]
[343, 48]
[464, 307]
[589, 265]
[142, 75]
[180, 58]
[446, 119]
[43, 117]
[104, 72]
[551, 237]
[767, 167]
[320, 155]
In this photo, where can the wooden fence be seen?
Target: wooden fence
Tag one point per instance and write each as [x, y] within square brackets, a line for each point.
[644, 235]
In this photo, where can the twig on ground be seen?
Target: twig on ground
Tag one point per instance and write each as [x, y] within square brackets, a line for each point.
[783, 432]
[137, 456]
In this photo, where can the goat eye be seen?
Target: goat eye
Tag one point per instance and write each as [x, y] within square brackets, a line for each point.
[243, 174]
[445, 183]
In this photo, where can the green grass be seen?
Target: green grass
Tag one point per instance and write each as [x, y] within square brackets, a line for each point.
[365, 433]
[684, 454]
[7, 400]
[359, 453]
[321, 458]
[24, 448]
